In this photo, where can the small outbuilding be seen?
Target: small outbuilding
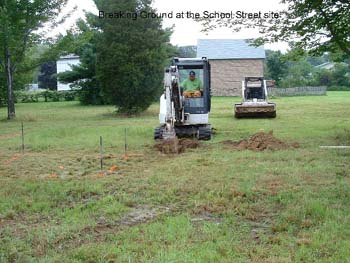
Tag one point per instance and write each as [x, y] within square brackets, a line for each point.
[326, 65]
[231, 61]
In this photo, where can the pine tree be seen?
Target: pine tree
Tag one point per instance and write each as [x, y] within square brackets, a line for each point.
[47, 77]
[131, 55]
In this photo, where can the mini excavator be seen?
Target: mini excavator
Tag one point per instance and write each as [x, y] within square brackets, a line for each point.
[185, 115]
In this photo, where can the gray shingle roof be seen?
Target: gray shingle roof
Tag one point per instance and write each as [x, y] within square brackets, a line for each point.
[228, 49]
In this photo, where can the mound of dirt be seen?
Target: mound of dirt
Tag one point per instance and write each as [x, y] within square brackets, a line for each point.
[176, 146]
[260, 141]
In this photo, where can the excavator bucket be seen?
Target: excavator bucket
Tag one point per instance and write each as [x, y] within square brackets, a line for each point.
[266, 110]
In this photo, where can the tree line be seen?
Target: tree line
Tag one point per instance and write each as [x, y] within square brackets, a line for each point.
[289, 70]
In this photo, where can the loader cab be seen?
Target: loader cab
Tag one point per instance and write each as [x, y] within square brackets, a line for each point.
[195, 104]
[254, 88]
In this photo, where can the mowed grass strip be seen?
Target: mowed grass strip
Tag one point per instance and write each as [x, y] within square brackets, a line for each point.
[211, 204]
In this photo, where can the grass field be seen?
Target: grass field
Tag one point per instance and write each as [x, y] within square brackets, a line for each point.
[211, 204]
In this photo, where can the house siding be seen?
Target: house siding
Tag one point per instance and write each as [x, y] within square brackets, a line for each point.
[228, 74]
[64, 64]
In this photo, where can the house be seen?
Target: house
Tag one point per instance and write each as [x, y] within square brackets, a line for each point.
[32, 87]
[231, 61]
[64, 63]
[326, 65]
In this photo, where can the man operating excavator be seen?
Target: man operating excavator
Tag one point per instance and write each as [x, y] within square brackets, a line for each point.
[192, 86]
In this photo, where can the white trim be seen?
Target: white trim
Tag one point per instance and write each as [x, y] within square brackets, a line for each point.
[335, 147]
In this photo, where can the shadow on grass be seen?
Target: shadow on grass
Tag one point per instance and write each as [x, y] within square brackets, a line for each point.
[115, 114]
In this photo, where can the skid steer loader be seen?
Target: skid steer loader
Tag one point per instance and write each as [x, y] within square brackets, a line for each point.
[180, 115]
[255, 102]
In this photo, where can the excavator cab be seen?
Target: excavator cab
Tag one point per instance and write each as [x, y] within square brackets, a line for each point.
[195, 102]
[187, 114]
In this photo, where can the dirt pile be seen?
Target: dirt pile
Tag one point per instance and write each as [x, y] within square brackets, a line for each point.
[260, 141]
[176, 146]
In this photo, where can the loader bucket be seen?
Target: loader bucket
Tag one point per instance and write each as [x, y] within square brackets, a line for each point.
[255, 111]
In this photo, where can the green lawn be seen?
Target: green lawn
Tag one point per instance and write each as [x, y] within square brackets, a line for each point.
[211, 204]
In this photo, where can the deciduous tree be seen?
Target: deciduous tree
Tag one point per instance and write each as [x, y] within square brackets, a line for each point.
[187, 51]
[19, 24]
[276, 66]
[313, 25]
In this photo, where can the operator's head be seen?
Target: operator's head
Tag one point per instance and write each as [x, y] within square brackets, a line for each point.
[192, 75]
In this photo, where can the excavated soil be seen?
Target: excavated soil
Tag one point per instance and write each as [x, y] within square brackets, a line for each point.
[176, 146]
[260, 141]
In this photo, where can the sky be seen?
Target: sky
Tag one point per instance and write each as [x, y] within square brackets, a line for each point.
[187, 31]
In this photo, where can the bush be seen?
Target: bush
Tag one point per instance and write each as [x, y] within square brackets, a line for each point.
[322, 77]
[340, 75]
[27, 96]
[69, 95]
[47, 95]
[338, 88]
[50, 95]
[55, 96]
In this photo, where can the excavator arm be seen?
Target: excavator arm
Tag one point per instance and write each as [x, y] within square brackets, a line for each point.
[174, 101]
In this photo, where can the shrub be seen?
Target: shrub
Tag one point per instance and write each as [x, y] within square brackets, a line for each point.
[55, 96]
[338, 88]
[27, 96]
[69, 95]
[46, 95]
[52, 95]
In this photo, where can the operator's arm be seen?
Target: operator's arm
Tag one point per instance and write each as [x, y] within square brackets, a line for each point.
[200, 84]
[183, 85]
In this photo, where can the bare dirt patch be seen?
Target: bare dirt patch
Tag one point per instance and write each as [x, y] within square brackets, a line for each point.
[176, 146]
[98, 233]
[206, 216]
[142, 214]
[260, 141]
[9, 136]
